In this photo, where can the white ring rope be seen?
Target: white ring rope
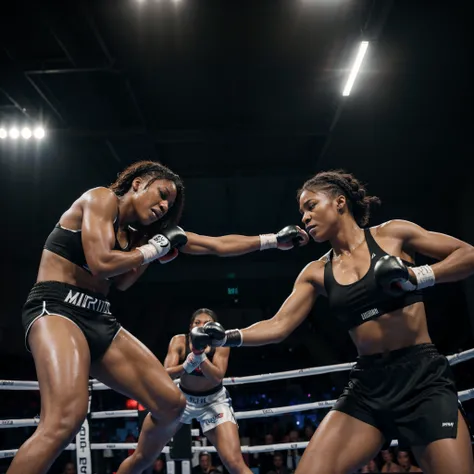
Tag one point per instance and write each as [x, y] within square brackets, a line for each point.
[263, 448]
[289, 374]
[241, 415]
[266, 412]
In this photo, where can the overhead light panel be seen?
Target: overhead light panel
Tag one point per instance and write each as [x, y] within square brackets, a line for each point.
[355, 68]
[13, 132]
[26, 133]
[39, 133]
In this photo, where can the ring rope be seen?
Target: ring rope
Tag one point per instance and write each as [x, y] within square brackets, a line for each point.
[96, 385]
[241, 415]
[195, 449]
[266, 412]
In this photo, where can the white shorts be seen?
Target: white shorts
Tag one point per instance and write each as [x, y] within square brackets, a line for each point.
[210, 410]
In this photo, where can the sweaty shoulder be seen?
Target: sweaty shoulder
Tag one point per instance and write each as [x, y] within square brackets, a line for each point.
[396, 228]
[314, 273]
[178, 340]
[100, 194]
[101, 201]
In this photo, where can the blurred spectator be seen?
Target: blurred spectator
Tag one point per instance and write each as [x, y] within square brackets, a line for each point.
[159, 466]
[69, 468]
[371, 466]
[404, 459]
[264, 460]
[278, 467]
[389, 464]
[308, 432]
[293, 456]
[205, 466]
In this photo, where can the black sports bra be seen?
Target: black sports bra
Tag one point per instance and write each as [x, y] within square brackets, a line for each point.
[210, 355]
[67, 243]
[363, 300]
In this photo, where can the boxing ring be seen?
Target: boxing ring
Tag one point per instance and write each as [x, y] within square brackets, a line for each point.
[83, 446]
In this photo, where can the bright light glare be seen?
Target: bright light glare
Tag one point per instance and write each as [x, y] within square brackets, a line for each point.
[355, 68]
[14, 133]
[39, 132]
[3, 133]
[26, 133]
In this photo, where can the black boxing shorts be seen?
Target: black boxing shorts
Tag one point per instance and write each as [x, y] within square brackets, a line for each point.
[408, 394]
[89, 311]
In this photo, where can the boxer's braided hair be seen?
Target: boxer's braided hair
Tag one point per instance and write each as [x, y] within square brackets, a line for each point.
[338, 182]
[154, 171]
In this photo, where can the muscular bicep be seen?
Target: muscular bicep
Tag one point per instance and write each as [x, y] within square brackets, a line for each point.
[417, 239]
[98, 235]
[297, 306]
[174, 351]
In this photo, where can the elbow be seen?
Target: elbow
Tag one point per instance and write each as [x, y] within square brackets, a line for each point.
[102, 269]
[122, 286]
[98, 269]
[101, 274]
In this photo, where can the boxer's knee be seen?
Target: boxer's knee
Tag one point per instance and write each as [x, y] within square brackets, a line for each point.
[170, 409]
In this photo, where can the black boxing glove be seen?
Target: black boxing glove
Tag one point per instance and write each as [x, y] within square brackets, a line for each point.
[199, 339]
[219, 337]
[289, 234]
[392, 275]
[176, 236]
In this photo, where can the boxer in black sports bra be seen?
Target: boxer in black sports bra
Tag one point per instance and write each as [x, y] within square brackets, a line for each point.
[108, 237]
[400, 387]
[207, 400]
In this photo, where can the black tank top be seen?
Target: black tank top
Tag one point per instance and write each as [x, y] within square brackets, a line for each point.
[363, 300]
[67, 243]
[210, 355]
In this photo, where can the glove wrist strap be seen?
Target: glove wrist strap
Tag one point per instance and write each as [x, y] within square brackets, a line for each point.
[425, 276]
[233, 338]
[149, 253]
[268, 241]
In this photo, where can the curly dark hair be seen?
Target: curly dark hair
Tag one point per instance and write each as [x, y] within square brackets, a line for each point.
[207, 311]
[337, 182]
[154, 171]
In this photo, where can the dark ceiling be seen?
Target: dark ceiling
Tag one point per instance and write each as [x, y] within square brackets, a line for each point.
[243, 99]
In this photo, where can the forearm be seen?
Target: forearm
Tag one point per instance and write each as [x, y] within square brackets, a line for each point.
[234, 245]
[125, 281]
[116, 263]
[211, 372]
[268, 331]
[176, 371]
[456, 266]
[225, 246]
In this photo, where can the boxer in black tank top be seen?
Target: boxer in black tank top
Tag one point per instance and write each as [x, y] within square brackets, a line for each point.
[401, 387]
[109, 236]
[201, 374]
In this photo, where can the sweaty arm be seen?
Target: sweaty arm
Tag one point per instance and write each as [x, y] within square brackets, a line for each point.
[171, 364]
[98, 238]
[215, 370]
[455, 257]
[291, 314]
[225, 246]
[234, 245]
